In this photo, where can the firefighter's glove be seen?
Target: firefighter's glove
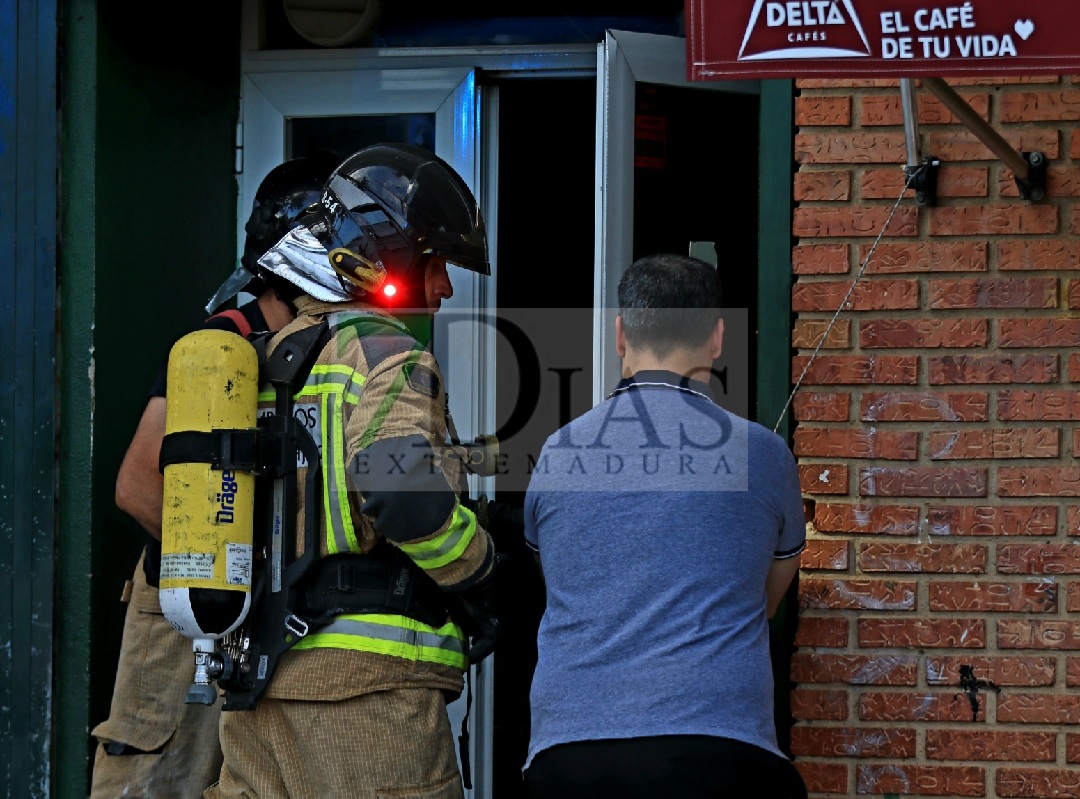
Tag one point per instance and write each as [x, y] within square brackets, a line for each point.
[498, 518]
[478, 618]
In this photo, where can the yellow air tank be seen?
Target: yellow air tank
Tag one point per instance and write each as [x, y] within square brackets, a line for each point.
[207, 513]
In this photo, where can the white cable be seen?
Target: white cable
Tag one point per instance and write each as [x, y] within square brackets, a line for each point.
[843, 302]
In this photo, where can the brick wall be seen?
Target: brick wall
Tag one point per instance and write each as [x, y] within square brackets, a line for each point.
[937, 435]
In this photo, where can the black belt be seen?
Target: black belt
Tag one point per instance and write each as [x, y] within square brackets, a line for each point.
[384, 580]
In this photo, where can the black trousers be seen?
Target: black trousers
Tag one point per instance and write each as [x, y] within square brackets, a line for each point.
[665, 767]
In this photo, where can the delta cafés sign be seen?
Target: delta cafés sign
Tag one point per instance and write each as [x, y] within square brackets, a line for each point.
[731, 39]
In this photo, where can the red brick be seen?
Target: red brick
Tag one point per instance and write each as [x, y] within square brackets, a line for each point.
[1076, 442]
[1013, 368]
[821, 221]
[822, 777]
[953, 181]
[867, 519]
[952, 146]
[823, 478]
[820, 259]
[887, 109]
[922, 633]
[1072, 296]
[925, 256]
[987, 219]
[969, 744]
[1038, 558]
[1072, 599]
[822, 406]
[892, 742]
[1039, 332]
[846, 83]
[1061, 181]
[1039, 783]
[1038, 255]
[823, 594]
[992, 520]
[1038, 634]
[857, 369]
[808, 333]
[994, 597]
[825, 553]
[1072, 672]
[898, 481]
[821, 631]
[1024, 670]
[920, 780]
[850, 148]
[833, 442]
[880, 294]
[819, 110]
[993, 293]
[1074, 368]
[1072, 520]
[1018, 405]
[924, 406]
[907, 706]
[922, 558]
[878, 669]
[822, 186]
[1038, 481]
[1072, 747]
[923, 333]
[1032, 442]
[819, 705]
[1042, 106]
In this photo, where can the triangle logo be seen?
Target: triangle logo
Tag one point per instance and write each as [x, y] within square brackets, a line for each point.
[803, 29]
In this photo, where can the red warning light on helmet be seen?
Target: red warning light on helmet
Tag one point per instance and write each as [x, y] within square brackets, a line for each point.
[389, 290]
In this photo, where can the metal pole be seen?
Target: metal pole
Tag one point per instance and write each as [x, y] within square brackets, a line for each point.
[911, 121]
[977, 125]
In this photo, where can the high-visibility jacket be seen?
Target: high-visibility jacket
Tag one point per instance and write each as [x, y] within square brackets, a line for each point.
[372, 387]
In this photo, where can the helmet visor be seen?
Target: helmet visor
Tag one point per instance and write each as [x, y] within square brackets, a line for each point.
[300, 259]
[233, 285]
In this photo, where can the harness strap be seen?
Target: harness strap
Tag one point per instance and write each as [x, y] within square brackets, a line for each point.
[380, 581]
[243, 326]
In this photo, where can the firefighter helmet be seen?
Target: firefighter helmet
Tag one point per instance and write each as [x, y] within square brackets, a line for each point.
[285, 194]
[383, 212]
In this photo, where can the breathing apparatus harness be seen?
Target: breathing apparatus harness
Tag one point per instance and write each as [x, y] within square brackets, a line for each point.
[291, 595]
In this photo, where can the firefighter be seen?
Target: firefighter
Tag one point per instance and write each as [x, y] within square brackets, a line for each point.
[152, 744]
[358, 707]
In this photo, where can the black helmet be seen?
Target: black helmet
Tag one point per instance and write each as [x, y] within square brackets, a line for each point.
[288, 191]
[384, 209]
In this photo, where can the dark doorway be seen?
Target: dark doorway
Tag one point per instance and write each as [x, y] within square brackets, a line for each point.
[545, 292]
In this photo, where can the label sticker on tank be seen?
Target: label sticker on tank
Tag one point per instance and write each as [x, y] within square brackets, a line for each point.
[309, 415]
[187, 565]
[238, 564]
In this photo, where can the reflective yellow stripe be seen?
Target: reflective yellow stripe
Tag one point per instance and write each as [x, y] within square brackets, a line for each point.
[388, 634]
[445, 548]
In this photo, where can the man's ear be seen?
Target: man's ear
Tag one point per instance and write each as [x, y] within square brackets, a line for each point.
[716, 340]
[620, 338]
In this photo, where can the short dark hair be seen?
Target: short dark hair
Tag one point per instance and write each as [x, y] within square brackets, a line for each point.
[668, 302]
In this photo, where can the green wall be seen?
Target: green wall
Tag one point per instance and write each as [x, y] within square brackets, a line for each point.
[151, 106]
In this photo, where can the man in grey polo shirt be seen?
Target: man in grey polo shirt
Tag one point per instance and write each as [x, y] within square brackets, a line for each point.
[668, 531]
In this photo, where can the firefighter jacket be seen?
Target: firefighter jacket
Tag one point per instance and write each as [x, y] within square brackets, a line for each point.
[375, 405]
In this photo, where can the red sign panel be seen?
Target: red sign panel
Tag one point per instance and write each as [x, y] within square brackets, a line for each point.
[731, 39]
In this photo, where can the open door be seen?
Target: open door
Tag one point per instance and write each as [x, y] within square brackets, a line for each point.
[664, 164]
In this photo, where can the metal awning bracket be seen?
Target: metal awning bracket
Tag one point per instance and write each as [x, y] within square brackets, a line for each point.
[1028, 168]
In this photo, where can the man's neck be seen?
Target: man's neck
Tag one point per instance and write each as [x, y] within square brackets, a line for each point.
[686, 363]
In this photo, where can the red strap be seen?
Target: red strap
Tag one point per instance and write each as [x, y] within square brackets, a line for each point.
[238, 319]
